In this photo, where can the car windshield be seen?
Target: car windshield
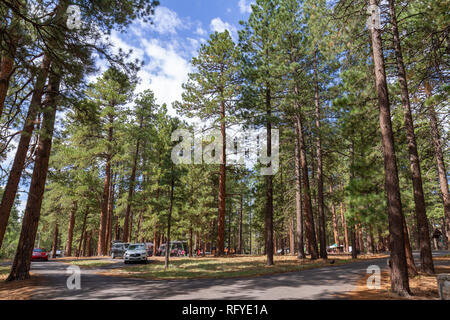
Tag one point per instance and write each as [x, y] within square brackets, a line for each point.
[38, 250]
[118, 246]
[136, 247]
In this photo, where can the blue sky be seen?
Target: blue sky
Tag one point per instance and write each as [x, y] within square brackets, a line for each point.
[167, 47]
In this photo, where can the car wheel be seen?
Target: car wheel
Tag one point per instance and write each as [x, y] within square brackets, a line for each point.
[113, 256]
[126, 262]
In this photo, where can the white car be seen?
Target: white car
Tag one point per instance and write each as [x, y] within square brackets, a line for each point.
[135, 253]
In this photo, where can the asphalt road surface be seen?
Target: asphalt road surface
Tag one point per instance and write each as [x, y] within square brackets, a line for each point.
[322, 283]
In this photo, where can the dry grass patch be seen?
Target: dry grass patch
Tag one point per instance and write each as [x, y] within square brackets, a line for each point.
[91, 263]
[226, 267]
[423, 287]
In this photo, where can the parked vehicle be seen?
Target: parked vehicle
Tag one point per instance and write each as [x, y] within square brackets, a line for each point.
[39, 255]
[280, 251]
[177, 249]
[149, 246]
[136, 253]
[118, 249]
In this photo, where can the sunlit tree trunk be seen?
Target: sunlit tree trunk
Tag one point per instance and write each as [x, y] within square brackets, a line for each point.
[307, 205]
[68, 252]
[426, 257]
[437, 142]
[298, 198]
[399, 271]
[10, 190]
[320, 202]
[21, 265]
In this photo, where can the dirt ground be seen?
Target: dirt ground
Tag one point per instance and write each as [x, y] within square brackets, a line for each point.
[423, 287]
[18, 290]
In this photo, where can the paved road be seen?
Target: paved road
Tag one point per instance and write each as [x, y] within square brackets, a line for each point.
[322, 283]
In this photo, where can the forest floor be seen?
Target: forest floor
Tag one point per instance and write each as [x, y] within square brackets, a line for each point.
[17, 290]
[213, 267]
[423, 286]
[315, 280]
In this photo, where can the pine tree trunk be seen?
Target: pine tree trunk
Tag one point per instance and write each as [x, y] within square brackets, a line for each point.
[320, 202]
[412, 270]
[68, 252]
[269, 185]
[110, 214]
[399, 271]
[426, 256]
[10, 191]
[381, 247]
[307, 205]
[354, 243]
[361, 239]
[370, 242]
[6, 71]
[21, 265]
[291, 236]
[83, 235]
[222, 187]
[298, 198]
[127, 235]
[55, 240]
[101, 245]
[102, 233]
[169, 221]
[138, 229]
[443, 182]
[334, 218]
[155, 242]
[240, 242]
[88, 244]
[7, 59]
[353, 224]
[345, 228]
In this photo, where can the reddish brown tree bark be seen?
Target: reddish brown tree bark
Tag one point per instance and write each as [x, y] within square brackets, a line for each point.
[344, 227]
[102, 233]
[334, 217]
[399, 271]
[68, 252]
[55, 240]
[10, 191]
[21, 265]
[412, 270]
[127, 233]
[83, 236]
[7, 59]
[269, 184]
[298, 198]
[426, 257]
[222, 186]
[443, 182]
[307, 205]
[320, 202]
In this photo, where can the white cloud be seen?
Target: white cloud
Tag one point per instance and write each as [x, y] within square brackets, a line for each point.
[220, 26]
[166, 72]
[245, 6]
[200, 31]
[166, 21]
[137, 53]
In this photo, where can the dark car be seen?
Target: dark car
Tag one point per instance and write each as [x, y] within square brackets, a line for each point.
[118, 249]
[39, 255]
